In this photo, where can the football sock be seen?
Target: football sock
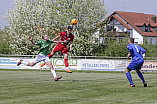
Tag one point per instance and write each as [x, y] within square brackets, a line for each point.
[66, 62]
[128, 75]
[54, 73]
[50, 55]
[141, 76]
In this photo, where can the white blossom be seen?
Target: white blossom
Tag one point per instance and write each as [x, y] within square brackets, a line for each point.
[32, 17]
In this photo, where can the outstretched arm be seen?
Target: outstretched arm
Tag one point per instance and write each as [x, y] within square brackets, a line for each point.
[31, 39]
[56, 38]
[60, 41]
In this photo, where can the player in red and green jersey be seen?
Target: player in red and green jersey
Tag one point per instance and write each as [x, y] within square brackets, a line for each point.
[64, 36]
[42, 56]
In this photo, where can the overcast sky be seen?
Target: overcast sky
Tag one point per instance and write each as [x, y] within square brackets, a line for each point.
[138, 6]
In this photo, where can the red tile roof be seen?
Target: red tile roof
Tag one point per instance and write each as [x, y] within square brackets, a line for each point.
[136, 19]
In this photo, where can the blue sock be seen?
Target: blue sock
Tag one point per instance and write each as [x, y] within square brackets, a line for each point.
[141, 76]
[128, 75]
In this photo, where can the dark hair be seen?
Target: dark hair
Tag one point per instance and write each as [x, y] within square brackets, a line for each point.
[131, 40]
[69, 27]
[43, 35]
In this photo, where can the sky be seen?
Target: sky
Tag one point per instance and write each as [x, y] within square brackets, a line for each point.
[138, 6]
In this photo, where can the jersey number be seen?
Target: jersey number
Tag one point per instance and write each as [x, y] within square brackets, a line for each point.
[136, 48]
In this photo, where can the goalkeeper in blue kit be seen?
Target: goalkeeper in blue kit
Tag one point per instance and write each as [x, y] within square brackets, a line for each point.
[137, 53]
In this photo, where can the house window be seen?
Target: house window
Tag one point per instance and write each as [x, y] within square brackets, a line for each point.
[149, 28]
[144, 28]
[109, 28]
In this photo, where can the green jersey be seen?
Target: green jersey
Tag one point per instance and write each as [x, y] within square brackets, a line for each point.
[44, 46]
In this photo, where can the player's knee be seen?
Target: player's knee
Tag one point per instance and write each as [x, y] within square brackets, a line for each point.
[32, 64]
[137, 70]
[66, 56]
[128, 69]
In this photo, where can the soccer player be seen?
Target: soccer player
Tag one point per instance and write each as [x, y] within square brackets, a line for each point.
[64, 36]
[137, 54]
[42, 56]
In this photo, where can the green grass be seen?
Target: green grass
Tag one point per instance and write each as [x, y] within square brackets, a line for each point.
[35, 87]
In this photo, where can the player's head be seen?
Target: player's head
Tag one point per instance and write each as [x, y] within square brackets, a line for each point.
[131, 40]
[45, 36]
[69, 29]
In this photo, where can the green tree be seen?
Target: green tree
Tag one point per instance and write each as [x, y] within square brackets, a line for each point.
[4, 44]
[32, 17]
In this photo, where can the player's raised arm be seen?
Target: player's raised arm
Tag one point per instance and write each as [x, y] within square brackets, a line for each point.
[60, 41]
[31, 39]
[56, 38]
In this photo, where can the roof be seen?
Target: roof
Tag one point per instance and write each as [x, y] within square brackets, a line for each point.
[136, 19]
[123, 23]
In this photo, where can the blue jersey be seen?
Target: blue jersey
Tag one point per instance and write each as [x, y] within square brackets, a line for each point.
[136, 51]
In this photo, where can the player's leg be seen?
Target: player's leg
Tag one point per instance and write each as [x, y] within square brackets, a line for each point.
[129, 77]
[66, 63]
[31, 64]
[25, 63]
[140, 74]
[50, 55]
[49, 63]
[142, 78]
[57, 48]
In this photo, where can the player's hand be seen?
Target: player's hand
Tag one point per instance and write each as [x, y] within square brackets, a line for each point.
[70, 50]
[143, 55]
[128, 55]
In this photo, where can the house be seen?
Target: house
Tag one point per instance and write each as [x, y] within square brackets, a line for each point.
[137, 25]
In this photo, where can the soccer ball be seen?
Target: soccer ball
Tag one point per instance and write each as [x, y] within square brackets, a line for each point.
[73, 21]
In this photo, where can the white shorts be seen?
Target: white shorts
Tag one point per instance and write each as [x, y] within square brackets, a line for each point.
[40, 57]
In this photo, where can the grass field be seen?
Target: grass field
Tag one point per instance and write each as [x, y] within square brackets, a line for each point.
[35, 87]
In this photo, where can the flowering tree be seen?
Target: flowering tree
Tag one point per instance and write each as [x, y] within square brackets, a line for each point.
[33, 17]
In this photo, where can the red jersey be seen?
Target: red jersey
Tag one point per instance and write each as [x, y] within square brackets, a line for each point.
[66, 37]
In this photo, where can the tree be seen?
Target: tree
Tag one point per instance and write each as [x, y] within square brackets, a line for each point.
[32, 17]
[4, 44]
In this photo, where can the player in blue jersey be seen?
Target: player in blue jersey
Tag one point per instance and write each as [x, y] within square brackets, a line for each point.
[137, 53]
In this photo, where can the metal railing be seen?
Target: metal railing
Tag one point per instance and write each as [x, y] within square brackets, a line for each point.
[80, 57]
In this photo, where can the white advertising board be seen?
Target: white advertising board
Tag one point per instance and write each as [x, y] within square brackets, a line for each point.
[74, 64]
[103, 65]
[58, 64]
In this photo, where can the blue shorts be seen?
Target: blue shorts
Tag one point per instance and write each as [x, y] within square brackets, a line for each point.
[136, 64]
